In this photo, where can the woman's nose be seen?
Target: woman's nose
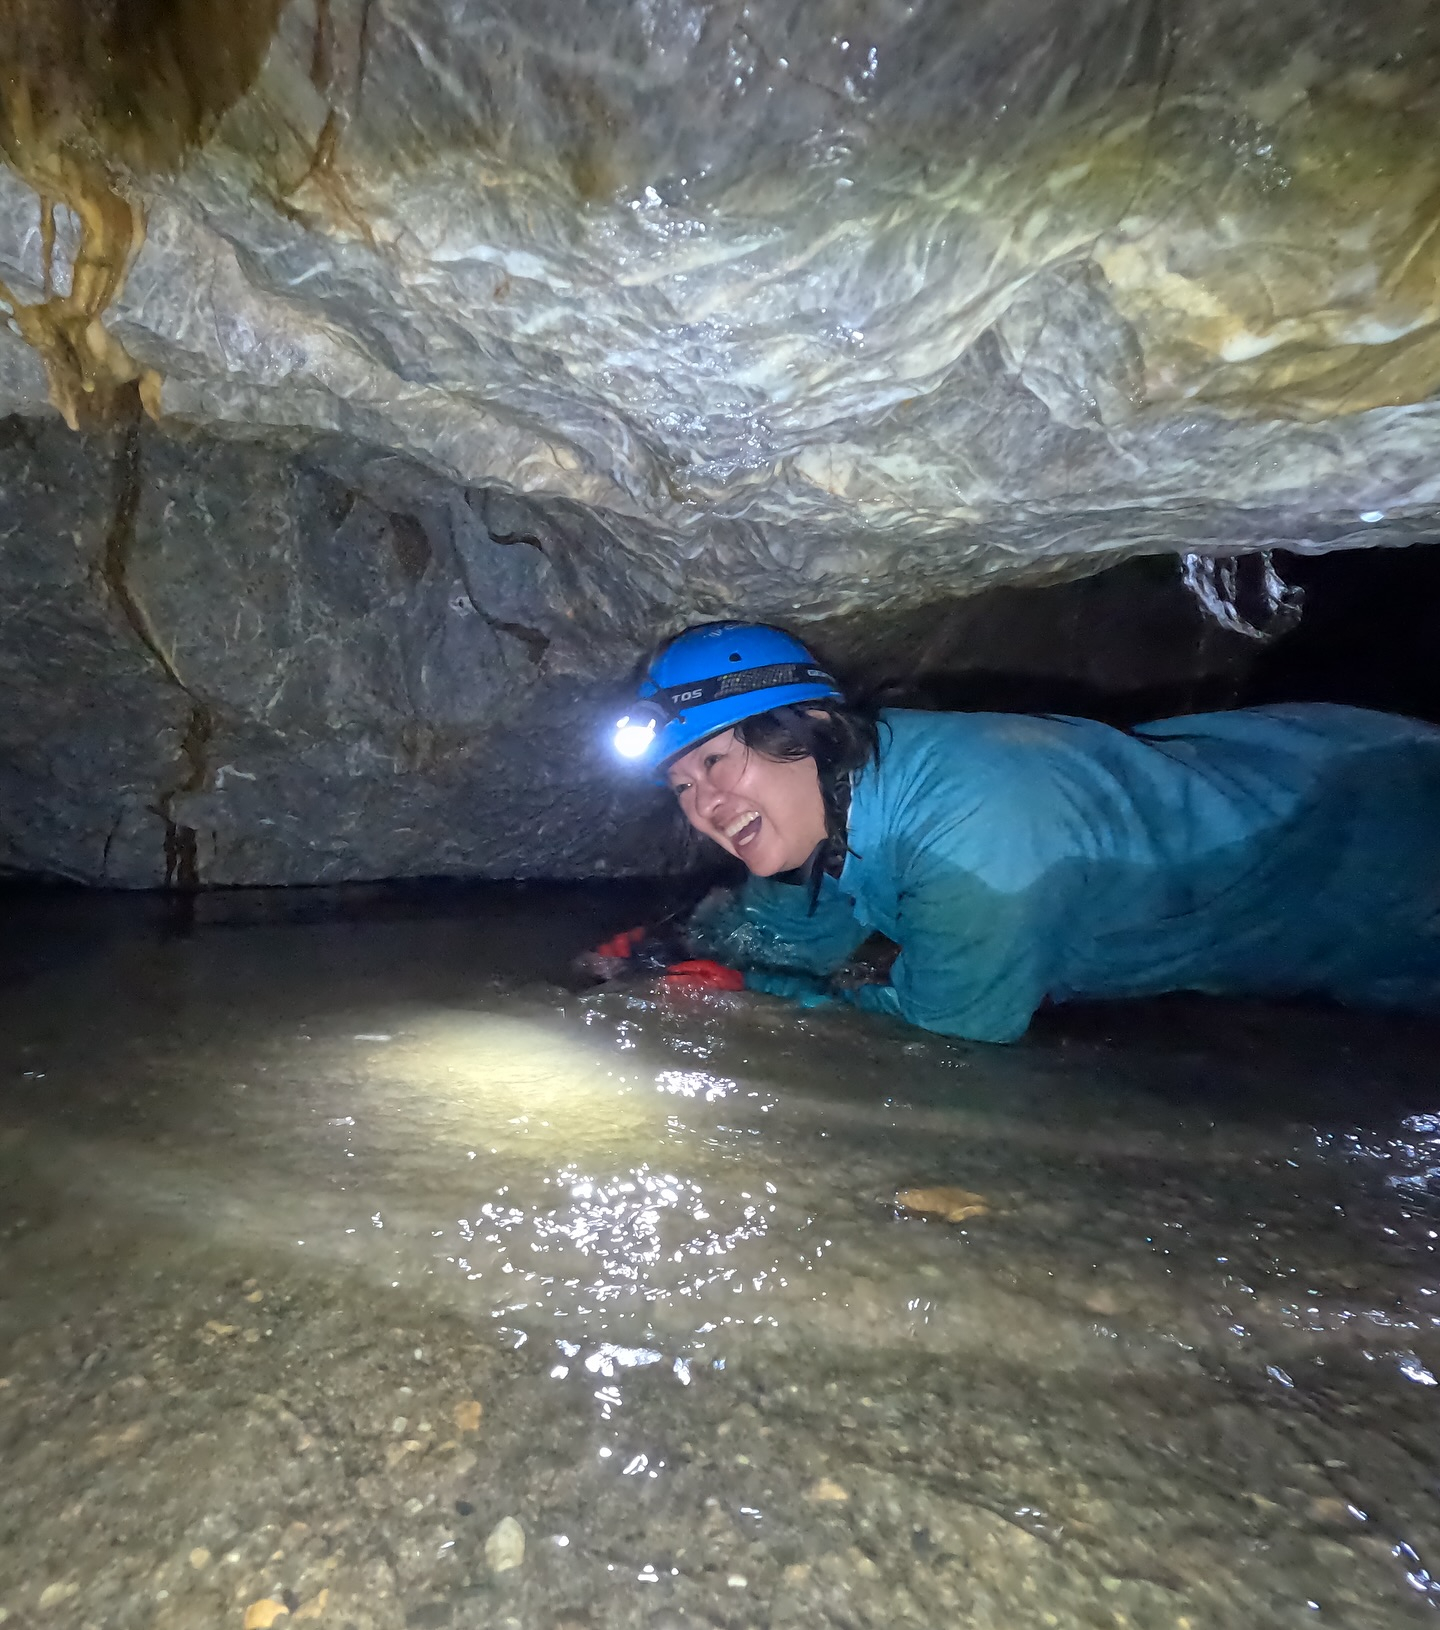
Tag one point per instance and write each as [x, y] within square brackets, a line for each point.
[707, 797]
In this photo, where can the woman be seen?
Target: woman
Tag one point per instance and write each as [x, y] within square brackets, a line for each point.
[1015, 859]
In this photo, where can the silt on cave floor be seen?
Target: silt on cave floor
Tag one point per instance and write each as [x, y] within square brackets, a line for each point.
[327, 1246]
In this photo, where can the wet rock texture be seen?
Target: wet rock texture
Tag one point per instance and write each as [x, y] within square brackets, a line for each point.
[223, 665]
[492, 341]
[820, 309]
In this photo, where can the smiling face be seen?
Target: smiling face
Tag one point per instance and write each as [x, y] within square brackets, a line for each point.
[767, 812]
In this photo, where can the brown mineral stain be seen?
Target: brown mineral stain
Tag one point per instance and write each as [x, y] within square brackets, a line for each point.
[93, 96]
[467, 1415]
[950, 1205]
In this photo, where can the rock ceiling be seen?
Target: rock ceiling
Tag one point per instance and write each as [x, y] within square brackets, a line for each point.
[812, 308]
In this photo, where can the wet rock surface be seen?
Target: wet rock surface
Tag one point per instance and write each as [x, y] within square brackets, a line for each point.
[224, 665]
[841, 308]
[228, 664]
[298, 1199]
[488, 344]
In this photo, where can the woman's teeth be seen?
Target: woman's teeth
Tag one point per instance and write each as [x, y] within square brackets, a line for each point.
[743, 828]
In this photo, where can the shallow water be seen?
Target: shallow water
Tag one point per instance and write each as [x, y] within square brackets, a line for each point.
[282, 1202]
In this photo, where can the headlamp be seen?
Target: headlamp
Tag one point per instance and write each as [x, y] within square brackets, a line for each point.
[635, 732]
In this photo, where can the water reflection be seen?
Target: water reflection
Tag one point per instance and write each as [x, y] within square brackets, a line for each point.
[673, 1222]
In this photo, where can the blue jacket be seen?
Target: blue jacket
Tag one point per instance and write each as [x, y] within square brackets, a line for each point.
[1275, 850]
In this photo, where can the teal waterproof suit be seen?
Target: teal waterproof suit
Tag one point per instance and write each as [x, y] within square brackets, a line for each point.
[1275, 850]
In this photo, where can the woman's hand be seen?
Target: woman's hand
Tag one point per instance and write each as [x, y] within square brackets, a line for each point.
[870, 965]
[636, 951]
[702, 974]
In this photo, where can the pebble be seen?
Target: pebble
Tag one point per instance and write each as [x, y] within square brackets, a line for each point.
[467, 1415]
[262, 1614]
[1104, 1302]
[199, 1558]
[737, 1581]
[505, 1547]
[949, 1204]
[1327, 1509]
[60, 1591]
[825, 1491]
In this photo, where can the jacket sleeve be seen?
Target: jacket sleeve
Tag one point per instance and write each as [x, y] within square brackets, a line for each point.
[980, 907]
[769, 927]
[972, 963]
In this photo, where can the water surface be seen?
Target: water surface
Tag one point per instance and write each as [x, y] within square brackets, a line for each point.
[327, 1245]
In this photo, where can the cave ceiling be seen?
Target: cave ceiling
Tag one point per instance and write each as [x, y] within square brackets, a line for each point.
[811, 308]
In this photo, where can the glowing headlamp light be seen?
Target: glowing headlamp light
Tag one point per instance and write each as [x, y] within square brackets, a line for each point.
[635, 733]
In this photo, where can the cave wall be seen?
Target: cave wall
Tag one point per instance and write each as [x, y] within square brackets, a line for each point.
[424, 362]
[223, 662]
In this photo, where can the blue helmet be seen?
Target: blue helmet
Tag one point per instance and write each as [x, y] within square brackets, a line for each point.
[712, 677]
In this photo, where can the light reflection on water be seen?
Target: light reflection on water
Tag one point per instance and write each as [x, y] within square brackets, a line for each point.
[647, 1195]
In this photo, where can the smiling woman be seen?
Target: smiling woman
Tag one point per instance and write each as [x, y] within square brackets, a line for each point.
[1017, 860]
[766, 811]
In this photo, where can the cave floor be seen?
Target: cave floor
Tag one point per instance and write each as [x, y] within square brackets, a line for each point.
[327, 1246]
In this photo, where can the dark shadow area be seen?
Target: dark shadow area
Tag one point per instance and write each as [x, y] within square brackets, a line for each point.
[1247, 1059]
[1132, 644]
[528, 930]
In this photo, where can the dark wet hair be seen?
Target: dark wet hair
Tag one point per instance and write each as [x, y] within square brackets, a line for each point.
[841, 738]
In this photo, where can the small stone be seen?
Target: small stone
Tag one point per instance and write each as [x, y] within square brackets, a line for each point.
[215, 1328]
[199, 1558]
[826, 1492]
[505, 1548]
[949, 1204]
[60, 1591]
[467, 1415]
[256, 1296]
[796, 1574]
[737, 1581]
[1329, 1510]
[398, 1425]
[262, 1614]
[1331, 1551]
[315, 1607]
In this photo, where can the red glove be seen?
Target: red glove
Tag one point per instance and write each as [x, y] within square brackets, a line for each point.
[622, 945]
[702, 974]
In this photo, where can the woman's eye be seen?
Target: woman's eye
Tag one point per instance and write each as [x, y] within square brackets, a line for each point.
[712, 760]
